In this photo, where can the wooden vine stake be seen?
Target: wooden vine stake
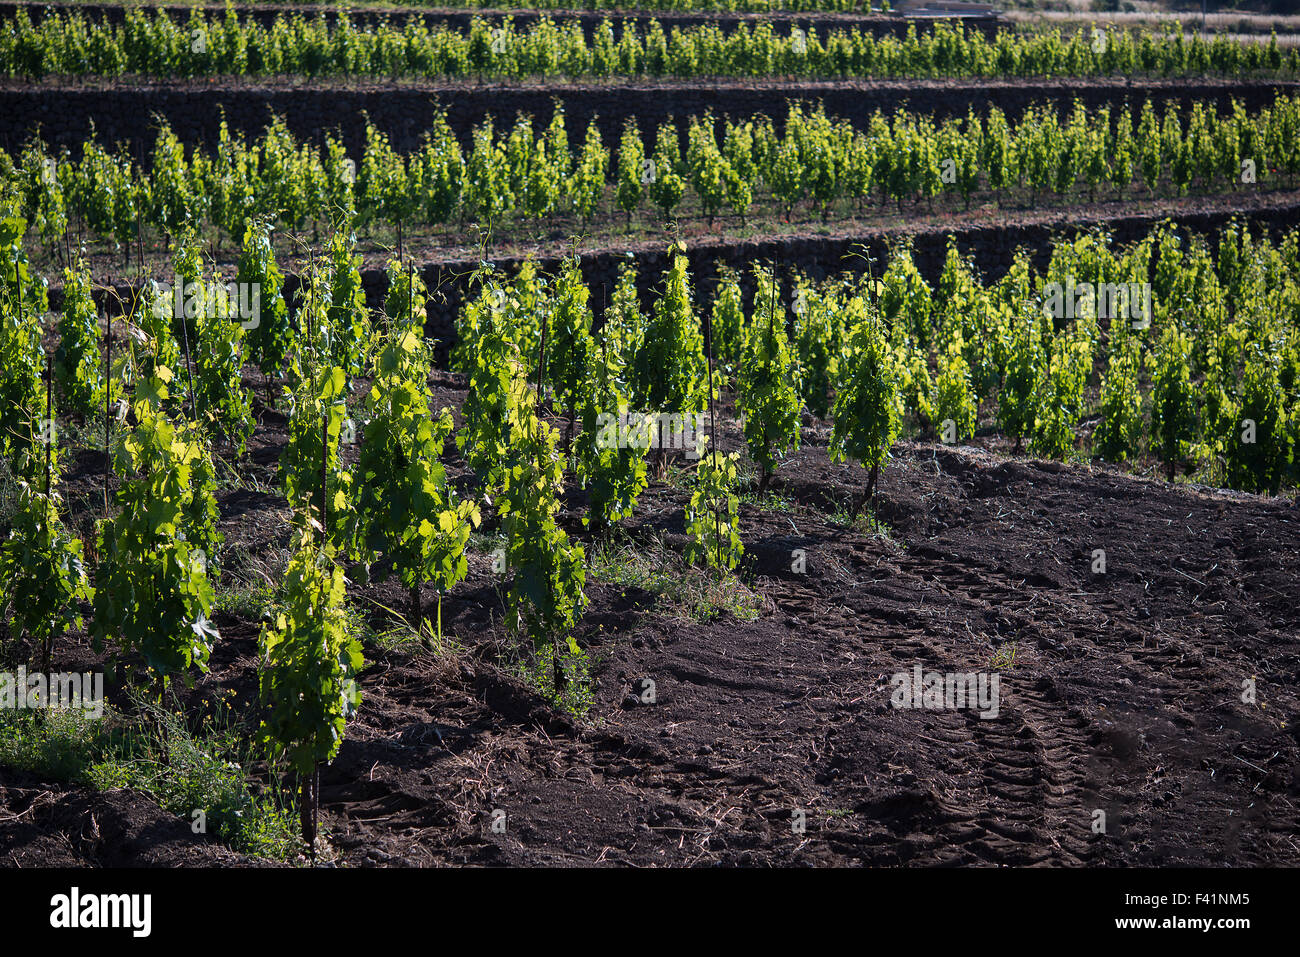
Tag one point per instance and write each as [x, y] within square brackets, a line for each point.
[870, 491]
[417, 608]
[139, 216]
[177, 300]
[108, 398]
[557, 669]
[47, 426]
[713, 431]
[47, 433]
[310, 785]
[771, 339]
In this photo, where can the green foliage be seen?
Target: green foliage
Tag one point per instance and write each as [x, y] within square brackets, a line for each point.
[347, 317]
[154, 593]
[172, 199]
[44, 205]
[867, 419]
[784, 176]
[405, 303]
[954, 398]
[587, 184]
[666, 184]
[1173, 400]
[571, 348]
[768, 397]
[156, 752]
[287, 185]
[307, 683]
[270, 339]
[681, 591]
[557, 144]
[528, 169]
[337, 195]
[1059, 393]
[440, 171]
[818, 343]
[317, 417]
[709, 173]
[1259, 455]
[496, 385]
[727, 322]
[405, 507]
[42, 576]
[905, 301]
[915, 384]
[612, 471]
[671, 368]
[631, 169]
[216, 341]
[1096, 166]
[383, 186]
[162, 44]
[1118, 431]
[1121, 150]
[527, 174]
[1149, 147]
[232, 186]
[1177, 149]
[713, 513]
[77, 366]
[103, 192]
[623, 325]
[22, 398]
[998, 151]
[487, 184]
[546, 595]
[821, 159]
[1024, 364]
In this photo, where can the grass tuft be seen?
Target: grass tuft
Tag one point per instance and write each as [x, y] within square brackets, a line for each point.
[681, 590]
[155, 753]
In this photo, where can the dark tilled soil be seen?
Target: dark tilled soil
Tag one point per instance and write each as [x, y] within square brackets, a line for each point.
[1120, 692]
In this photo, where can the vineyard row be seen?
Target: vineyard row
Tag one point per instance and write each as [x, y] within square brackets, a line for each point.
[203, 45]
[531, 174]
